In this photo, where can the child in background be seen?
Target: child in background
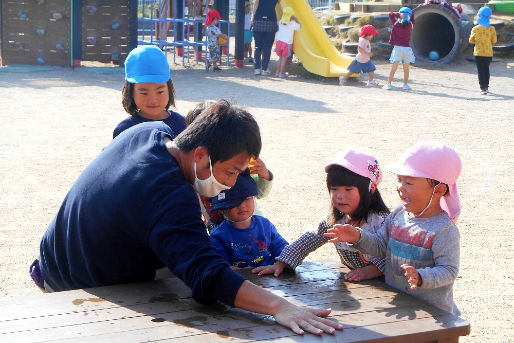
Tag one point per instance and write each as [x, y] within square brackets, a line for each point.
[213, 33]
[403, 22]
[244, 239]
[148, 91]
[362, 62]
[287, 25]
[262, 176]
[248, 32]
[352, 180]
[483, 36]
[419, 238]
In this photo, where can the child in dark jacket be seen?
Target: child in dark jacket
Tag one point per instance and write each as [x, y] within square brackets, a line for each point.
[244, 239]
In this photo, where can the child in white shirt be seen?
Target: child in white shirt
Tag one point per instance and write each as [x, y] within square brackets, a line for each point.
[287, 25]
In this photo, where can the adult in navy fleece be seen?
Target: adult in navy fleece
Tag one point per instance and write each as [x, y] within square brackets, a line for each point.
[134, 209]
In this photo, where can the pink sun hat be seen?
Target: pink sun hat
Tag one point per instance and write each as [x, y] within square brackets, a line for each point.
[359, 162]
[433, 160]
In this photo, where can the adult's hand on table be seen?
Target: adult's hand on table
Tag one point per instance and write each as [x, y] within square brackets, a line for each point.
[303, 319]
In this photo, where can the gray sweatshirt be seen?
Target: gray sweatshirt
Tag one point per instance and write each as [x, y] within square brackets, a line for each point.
[431, 245]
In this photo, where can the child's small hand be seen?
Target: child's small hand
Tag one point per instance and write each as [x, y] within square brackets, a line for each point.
[413, 277]
[276, 269]
[342, 233]
[258, 167]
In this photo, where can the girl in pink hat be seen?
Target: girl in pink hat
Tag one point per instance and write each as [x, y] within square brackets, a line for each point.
[419, 239]
[352, 180]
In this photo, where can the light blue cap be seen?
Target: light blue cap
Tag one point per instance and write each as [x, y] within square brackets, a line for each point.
[484, 13]
[408, 13]
[147, 63]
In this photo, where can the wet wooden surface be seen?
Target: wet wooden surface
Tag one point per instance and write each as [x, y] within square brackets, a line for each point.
[164, 311]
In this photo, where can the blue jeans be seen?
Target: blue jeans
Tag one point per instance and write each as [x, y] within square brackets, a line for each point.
[262, 53]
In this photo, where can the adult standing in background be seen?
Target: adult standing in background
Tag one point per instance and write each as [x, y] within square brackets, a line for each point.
[264, 27]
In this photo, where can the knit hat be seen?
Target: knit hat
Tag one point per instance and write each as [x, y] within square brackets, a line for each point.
[147, 63]
[437, 161]
[359, 162]
[484, 14]
[287, 12]
[368, 30]
[245, 186]
[211, 15]
[408, 13]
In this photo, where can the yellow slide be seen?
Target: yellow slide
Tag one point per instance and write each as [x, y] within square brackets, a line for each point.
[311, 43]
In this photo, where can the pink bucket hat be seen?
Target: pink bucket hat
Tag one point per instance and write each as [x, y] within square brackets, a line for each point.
[358, 162]
[437, 161]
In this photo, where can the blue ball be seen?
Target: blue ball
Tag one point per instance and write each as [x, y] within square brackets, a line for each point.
[433, 55]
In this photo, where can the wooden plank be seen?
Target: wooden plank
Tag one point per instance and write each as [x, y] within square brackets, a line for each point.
[150, 292]
[121, 319]
[21, 21]
[106, 30]
[164, 310]
[245, 327]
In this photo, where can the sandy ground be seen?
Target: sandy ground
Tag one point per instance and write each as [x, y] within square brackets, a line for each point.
[54, 122]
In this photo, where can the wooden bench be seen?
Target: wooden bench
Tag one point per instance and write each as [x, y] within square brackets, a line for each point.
[164, 311]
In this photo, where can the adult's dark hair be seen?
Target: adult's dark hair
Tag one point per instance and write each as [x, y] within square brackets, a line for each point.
[225, 130]
[370, 202]
[127, 97]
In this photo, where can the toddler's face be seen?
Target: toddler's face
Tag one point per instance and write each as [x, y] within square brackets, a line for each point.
[414, 192]
[241, 212]
[151, 99]
[345, 198]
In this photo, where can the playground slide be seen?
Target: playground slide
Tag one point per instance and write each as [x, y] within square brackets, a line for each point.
[311, 43]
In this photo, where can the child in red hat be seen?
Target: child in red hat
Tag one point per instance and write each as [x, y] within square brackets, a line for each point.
[213, 33]
[362, 62]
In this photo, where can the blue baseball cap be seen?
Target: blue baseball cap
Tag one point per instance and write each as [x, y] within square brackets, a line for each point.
[484, 13]
[147, 63]
[245, 186]
[408, 13]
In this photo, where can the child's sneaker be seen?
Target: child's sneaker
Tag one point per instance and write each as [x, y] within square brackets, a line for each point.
[283, 75]
[250, 60]
[484, 91]
[257, 71]
[342, 81]
[387, 86]
[372, 83]
[265, 72]
[406, 87]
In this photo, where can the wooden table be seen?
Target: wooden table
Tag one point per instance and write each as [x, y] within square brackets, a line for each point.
[163, 311]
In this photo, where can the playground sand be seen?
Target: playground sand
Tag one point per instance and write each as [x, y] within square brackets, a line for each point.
[54, 122]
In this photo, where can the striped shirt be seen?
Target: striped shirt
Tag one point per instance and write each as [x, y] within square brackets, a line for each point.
[295, 253]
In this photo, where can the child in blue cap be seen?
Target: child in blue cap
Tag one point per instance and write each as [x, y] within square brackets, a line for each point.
[483, 36]
[403, 23]
[148, 91]
[244, 239]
